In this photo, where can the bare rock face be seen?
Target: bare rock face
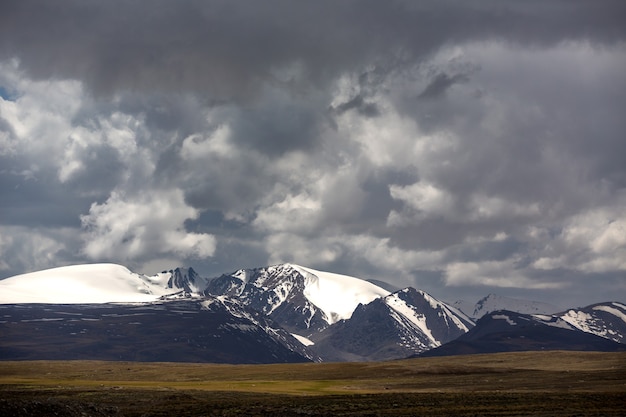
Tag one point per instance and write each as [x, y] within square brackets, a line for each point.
[277, 291]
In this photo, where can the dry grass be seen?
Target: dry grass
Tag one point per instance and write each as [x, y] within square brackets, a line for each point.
[563, 383]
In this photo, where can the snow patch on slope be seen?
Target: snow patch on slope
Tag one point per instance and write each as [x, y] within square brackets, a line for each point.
[613, 311]
[504, 317]
[419, 320]
[337, 295]
[606, 320]
[578, 319]
[553, 321]
[305, 341]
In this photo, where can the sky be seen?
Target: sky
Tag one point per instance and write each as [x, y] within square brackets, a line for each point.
[459, 147]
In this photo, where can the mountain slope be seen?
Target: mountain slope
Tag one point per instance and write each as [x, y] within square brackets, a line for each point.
[95, 283]
[398, 325]
[508, 331]
[210, 330]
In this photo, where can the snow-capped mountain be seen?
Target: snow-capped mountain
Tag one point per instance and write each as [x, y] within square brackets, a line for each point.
[296, 312]
[96, 283]
[398, 325]
[494, 302]
[276, 299]
[607, 320]
[508, 331]
[301, 299]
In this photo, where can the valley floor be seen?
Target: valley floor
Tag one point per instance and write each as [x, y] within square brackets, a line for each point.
[509, 384]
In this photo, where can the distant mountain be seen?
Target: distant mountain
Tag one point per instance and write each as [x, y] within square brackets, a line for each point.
[398, 325]
[493, 302]
[508, 331]
[606, 320]
[279, 313]
[209, 330]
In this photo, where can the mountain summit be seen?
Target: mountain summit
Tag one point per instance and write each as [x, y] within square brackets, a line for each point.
[302, 299]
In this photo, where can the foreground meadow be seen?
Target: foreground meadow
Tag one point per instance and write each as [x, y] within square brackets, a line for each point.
[508, 384]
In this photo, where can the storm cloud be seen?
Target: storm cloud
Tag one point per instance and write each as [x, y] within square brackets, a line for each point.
[459, 147]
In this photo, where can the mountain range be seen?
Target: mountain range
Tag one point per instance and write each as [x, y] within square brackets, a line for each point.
[279, 313]
[508, 331]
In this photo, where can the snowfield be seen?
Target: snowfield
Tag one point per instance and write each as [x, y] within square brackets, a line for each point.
[337, 295]
[90, 283]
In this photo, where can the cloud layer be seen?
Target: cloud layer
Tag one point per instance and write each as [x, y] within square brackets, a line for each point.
[462, 148]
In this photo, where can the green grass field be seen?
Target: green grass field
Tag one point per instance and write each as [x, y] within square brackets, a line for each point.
[508, 384]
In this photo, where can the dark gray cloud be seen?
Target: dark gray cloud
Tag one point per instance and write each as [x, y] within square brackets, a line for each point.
[33, 200]
[282, 127]
[465, 147]
[440, 83]
[226, 49]
[365, 108]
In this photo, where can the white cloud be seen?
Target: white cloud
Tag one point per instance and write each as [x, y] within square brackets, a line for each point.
[143, 226]
[490, 208]
[40, 117]
[215, 145]
[287, 247]
[26, 249]
[503, 274]
[296, 213]
[363, 251]
[380, 252]
[592, 242]
[427, 137]
[55, 127]
[422, 200]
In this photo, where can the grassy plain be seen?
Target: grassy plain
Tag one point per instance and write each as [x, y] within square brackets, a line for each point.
[508, 384]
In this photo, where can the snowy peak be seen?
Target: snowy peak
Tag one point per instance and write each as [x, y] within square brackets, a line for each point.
[93, 283]
[417, 303]
[494, 302]
[301, 299]
[607, 320]
[277, 291]
[186, 279]
[337, 295]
